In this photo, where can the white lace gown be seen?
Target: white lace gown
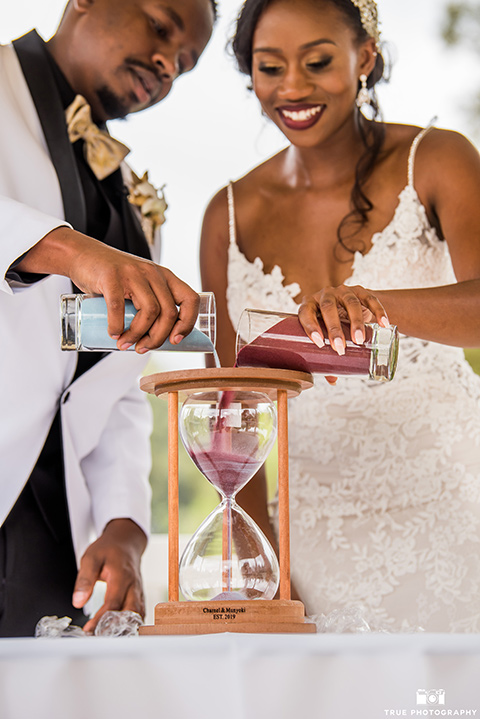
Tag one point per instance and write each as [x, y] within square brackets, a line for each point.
[384, 478]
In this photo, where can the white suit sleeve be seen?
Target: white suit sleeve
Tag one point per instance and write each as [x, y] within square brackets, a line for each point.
[21, 228]
[117, 471]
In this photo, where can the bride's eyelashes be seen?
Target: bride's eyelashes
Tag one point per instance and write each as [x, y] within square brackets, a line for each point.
[270, 68]
[319, 65]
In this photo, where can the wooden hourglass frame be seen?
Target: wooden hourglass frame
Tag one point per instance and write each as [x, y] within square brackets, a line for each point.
[282, 615]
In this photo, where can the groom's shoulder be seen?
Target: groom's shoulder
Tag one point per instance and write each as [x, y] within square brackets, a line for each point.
[10, 69]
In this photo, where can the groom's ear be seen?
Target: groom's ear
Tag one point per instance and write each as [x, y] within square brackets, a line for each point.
[82, 6]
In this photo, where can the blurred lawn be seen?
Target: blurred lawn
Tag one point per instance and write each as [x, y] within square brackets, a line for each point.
[197, 497]
[473, 356]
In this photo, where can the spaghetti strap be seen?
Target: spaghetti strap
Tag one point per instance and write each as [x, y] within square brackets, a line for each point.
[231, 215]
[413, 150]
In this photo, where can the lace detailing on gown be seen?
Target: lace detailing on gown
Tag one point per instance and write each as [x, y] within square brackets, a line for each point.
[385, 478]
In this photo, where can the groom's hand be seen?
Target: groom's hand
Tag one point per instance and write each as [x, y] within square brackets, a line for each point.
[115, 559]
[166, 306]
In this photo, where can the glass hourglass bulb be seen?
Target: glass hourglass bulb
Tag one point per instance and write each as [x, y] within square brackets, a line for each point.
[228, 435]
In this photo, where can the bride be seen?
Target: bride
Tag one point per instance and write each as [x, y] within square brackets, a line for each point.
[375, 222]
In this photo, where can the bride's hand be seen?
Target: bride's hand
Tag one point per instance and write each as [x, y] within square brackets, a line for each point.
[333, 305]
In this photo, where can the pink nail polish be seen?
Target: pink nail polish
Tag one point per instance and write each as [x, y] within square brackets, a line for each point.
[281, 342]
[317, 338]
[338, 344]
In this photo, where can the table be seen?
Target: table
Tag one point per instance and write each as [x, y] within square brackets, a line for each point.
[240, 676]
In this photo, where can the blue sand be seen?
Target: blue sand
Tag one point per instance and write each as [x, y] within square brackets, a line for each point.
[94, 335]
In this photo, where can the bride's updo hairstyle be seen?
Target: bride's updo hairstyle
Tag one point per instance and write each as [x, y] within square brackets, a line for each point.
[372, 133]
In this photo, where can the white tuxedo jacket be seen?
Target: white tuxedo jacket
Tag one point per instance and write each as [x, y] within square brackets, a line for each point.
[105, 417]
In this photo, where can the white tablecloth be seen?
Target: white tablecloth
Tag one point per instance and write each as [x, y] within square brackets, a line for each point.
[240, 677]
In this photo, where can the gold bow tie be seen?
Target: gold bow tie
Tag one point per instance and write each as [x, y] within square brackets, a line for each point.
[102, 152]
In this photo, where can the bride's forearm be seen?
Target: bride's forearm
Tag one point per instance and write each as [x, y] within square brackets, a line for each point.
[449, 314]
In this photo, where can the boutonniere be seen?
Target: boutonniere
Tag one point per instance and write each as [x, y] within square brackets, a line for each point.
[151, 203]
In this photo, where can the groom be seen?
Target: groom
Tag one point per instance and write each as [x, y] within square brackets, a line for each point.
[74, 439]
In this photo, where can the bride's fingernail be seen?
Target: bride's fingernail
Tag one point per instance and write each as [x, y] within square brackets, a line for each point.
[338, 344]
[358, 336]
[384, 321]
[317, 338]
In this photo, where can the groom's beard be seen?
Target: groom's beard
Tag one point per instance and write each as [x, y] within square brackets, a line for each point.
[114, 108]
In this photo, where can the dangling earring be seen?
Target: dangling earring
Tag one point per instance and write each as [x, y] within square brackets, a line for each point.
[363, 97]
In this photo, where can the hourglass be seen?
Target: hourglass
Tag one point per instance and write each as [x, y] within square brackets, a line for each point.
[229, 573]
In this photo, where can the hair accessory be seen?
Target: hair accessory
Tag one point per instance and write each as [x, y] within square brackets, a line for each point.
[369, 17]
[363, 97]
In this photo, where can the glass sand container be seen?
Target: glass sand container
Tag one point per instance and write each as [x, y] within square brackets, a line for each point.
[84, 325]
[228, 435]
[228, 573]
[277, 339]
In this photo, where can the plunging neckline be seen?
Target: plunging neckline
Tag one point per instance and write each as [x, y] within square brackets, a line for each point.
[407, 193]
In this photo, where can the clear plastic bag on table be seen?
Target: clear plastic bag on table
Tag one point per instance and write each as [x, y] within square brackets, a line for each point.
[55, 627]
[111, 624]
[118, 624]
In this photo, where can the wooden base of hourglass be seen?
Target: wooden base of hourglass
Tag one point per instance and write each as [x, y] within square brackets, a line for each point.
[255, 616]
[282, 615]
